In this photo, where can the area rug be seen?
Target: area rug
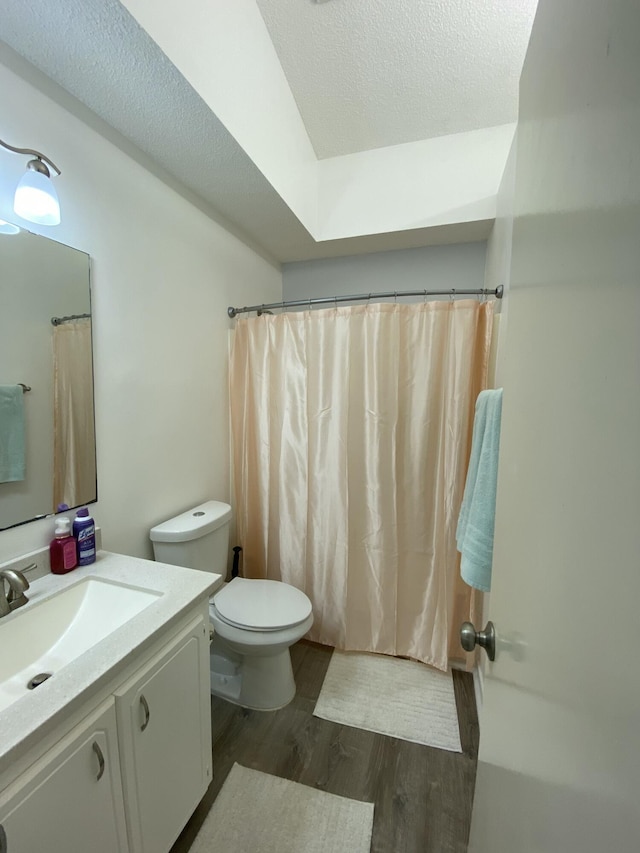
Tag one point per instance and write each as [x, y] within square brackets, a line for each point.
[259, 813]
[390, 696]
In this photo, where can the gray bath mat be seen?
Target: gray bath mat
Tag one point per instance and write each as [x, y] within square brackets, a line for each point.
[259, 813]
[390, 696]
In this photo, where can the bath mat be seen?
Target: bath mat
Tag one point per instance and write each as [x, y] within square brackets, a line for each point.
[259, 813]
[390, 696]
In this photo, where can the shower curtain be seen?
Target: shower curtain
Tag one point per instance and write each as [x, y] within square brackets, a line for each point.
[74, 459]
[352, 430]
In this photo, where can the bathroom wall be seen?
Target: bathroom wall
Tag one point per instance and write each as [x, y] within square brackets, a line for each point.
[498, 266]
[498, 271]
[163, 274]
[433, 267]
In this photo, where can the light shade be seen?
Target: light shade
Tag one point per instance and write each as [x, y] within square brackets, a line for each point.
[8, 227]
[36, 199]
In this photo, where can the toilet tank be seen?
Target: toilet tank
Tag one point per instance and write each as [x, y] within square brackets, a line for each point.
[196, 539]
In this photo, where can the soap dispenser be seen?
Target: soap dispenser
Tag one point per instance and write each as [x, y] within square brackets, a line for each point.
[62, 550]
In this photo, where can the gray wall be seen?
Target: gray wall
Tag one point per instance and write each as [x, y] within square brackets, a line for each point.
[432, 267]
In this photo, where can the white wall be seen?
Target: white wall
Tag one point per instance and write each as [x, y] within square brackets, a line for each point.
[498, 269]
[421, 184]
[498, 272]
[163, 275]
[433, 267]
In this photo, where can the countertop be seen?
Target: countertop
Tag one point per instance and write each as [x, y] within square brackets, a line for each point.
[36, 714]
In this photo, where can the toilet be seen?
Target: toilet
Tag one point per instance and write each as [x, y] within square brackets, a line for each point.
[254, 621]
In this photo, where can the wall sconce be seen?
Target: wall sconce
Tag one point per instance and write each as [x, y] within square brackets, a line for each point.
[36, 199]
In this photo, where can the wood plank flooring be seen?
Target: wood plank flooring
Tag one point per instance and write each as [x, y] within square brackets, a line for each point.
[422, 795]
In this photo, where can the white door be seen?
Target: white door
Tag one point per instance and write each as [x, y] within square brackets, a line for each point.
[164, 725]
[70, 800]
[559, 768]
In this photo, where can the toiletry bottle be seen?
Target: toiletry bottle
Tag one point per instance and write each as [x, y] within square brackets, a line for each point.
[84, 531]
[62, 550]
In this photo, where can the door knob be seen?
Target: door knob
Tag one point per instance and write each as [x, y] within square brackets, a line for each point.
[469, 638]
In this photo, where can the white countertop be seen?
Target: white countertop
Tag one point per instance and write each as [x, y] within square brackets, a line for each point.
[36, 714]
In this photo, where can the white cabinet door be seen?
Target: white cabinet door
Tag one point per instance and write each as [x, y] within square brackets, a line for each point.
[70, 800]
[164, 725]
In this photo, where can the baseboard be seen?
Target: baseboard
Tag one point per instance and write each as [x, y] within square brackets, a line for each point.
[478, 680]
[478, 687]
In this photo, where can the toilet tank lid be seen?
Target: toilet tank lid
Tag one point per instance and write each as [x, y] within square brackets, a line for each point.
[193, 523]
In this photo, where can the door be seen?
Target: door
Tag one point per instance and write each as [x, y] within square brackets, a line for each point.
[164, 723]
[559, 764]
[71, 799]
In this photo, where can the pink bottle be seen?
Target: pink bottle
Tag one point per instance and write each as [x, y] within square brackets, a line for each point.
[62, 550]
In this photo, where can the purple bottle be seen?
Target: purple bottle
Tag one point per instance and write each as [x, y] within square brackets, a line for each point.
[84, 532]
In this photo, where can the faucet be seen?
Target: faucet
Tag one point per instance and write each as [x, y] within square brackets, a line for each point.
[18, 585]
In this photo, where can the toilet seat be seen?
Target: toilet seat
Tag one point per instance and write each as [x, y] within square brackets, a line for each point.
[261, 605]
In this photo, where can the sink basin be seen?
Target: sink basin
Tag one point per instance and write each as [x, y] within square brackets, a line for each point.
[43, 637]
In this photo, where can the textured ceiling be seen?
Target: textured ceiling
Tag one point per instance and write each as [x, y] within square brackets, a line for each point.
[97, 52]
[371, 73]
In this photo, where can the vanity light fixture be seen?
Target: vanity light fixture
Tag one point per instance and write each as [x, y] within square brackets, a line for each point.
[8, 228]
[36, 199]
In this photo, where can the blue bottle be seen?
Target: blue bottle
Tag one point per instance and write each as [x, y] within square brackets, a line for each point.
[84, 532]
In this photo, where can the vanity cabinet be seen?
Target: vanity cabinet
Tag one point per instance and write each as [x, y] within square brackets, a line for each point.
[71, 798]
[128, 768]
[164, 729]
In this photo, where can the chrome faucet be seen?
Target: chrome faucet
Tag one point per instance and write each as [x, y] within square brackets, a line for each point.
[18, 585]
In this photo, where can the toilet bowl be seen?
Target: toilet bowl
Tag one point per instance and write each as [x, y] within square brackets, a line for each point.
[254, 621]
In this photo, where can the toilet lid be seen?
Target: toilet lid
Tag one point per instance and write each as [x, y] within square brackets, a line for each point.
[261, 605]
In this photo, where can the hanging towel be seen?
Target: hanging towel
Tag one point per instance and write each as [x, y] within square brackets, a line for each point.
[12, 465]
[477, 513]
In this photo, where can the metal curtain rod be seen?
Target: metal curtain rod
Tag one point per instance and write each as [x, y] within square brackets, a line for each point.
[56, 321]
[333, 300]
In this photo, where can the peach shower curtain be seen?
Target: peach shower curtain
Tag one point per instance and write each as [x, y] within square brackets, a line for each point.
[352, 430]
[74, 457]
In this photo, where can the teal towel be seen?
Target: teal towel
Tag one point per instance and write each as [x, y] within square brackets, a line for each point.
[477, 513]
[12, 465]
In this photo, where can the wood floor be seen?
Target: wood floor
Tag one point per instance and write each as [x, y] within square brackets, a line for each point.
[422, 795]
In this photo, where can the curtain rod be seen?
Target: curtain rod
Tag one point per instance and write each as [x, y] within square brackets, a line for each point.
[333, 300]
[56, 321]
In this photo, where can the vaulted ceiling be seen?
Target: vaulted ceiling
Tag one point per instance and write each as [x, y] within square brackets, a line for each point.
[372, 73]
[310, 128]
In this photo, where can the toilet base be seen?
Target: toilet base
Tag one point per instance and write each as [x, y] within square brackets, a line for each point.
[253, 668]
[260, 683]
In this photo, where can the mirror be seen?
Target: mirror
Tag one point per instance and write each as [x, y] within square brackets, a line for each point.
[47, 431]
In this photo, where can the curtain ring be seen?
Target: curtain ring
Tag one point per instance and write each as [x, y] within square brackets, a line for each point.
[425, 296]
[395, 296]
[452, 295]
[335, 302]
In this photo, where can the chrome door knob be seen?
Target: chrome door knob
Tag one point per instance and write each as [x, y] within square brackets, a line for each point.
[470, 638]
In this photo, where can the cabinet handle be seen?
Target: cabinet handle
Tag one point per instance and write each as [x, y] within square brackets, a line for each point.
[147, 714]
[3, 840]
[100, 757]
